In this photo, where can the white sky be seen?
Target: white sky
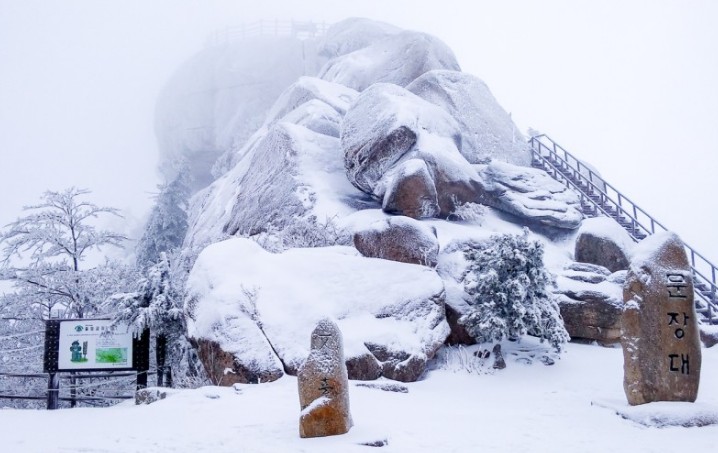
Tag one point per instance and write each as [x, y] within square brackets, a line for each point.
[629, 86]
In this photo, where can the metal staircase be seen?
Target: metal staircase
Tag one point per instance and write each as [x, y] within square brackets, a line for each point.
[599, 198]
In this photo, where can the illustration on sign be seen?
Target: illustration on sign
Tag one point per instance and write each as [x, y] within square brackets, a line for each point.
[91, 344]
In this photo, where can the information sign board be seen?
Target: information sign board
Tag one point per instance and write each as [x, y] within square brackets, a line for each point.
[92, 345]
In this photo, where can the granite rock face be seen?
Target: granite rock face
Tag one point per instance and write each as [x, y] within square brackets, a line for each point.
[324, 385]
[591, 303]
[660, 336]
[603, 242]
[487, 130]
[399, 239]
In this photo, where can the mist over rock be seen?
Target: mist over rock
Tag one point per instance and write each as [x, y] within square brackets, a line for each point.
[353, 34]
[398, 59]
[394, 311]
[217, 99]
[487, 131]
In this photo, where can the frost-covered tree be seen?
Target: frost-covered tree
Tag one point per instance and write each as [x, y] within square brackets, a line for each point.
[167, 223]
[42, 253]
[157, 305]
[507, 288]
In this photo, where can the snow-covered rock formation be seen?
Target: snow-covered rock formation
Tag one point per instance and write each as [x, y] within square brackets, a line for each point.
[337, 157]
[487, 131]
[398, 58]
[261, 307]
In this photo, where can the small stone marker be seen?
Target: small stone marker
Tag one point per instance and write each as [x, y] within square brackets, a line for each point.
[324, 385]
[660, 337]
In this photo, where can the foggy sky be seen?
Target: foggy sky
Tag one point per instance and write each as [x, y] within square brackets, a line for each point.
[629, 86]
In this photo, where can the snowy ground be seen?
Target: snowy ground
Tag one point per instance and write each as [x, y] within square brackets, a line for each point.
[523, 408]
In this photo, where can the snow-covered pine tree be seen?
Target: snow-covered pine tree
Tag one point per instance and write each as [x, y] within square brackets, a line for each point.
[507, 287]
[157, 305]
[167, 223]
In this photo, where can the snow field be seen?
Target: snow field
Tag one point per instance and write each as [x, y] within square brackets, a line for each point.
[523, 408]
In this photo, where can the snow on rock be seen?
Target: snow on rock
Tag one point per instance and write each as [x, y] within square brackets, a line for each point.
[602, 241]
[387, 126]
[398, 58]
[531, 194]
[316, 116]
[218, 99]
[665, 414]
[488, 132]
[287, 174]
[590, 304]
[222, 322]
[410, 191]
[395, 311]
[353, 34]
[400, 239]
[305, 89]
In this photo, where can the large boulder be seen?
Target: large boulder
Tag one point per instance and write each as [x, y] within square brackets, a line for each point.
[306, 89]
[660, 336]
[391, 314]
[410, 191]
[384, 130]
[400, 239]
[487, 131]
[398, 58]
[602, 241]
[531, 194]
[590, 303]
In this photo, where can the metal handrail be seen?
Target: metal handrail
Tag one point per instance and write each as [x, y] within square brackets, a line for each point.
[562, 165]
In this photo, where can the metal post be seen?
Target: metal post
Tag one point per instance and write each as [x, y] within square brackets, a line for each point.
[141, 380]
[73, 390]
[53, 391]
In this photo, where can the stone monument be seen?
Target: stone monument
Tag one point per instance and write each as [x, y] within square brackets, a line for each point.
[659, 335]
[324, 385]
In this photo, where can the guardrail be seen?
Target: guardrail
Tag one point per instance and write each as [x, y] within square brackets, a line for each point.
[295, 29]
[608, 201]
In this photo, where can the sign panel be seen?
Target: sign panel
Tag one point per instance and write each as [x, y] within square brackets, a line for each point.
[94, 344]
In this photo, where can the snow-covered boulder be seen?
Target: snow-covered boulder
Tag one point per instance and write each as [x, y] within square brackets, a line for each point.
[400, 239]
[218, 99]
[530, 194]
[411, 191]
[398, 59]
[591, 302]
[487, 131]
[305, 89]
[385, 309]
[353, 34]
[602, 241]
[388, 126]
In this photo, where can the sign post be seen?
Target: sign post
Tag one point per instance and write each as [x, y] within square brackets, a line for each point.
[73, 345]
